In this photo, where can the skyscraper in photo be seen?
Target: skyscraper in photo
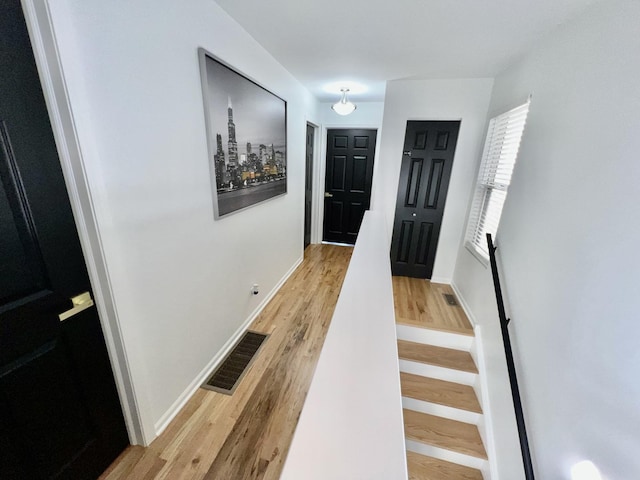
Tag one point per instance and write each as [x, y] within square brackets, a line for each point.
[218, 162]
[233, 144]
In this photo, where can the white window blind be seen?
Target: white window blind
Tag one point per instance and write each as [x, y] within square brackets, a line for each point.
[498, 159]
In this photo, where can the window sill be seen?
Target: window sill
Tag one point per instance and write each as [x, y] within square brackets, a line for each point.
[478, 255]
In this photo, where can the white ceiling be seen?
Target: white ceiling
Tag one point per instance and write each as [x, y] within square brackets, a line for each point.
[372, 41]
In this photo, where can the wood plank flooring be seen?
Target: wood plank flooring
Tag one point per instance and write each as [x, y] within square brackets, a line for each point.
[441, 392]
[439, 356]
[420, 303]
[428, 468]
[444, 433]
[247, 436]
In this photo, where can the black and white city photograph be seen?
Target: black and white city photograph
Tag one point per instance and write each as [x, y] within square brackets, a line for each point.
[246, 125]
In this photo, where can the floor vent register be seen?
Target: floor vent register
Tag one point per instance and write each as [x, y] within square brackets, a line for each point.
[227, 376]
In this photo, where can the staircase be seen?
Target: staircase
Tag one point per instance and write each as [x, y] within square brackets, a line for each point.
[439, 380]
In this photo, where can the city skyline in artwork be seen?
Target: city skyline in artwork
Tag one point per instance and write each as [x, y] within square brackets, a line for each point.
[247, 138]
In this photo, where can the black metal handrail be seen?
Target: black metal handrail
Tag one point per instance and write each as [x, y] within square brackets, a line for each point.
[513, 379]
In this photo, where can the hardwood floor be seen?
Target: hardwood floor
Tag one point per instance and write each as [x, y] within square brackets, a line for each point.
[420, 303]
[439, 356]
[427, 468]
[441, 392]
[445, 433]
[247, 435]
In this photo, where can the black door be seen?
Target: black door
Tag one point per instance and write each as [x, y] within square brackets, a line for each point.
[60, 416]
[348, 180]
[308, 184]
[427, 159]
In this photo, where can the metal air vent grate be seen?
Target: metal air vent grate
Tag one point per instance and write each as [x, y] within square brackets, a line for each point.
[451, 299]
[227, 376]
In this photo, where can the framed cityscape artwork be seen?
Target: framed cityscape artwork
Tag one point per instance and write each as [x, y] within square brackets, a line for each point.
[247, 137]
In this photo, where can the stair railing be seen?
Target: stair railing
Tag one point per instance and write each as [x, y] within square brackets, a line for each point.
[515, 391]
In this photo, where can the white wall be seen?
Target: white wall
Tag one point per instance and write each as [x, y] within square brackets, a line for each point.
[458, 99]
[180, 280]
[568, 242]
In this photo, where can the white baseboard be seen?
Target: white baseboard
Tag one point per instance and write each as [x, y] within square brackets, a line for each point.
[446, 280]
[171, 413]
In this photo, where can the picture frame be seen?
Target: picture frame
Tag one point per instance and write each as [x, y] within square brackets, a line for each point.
[246, 136]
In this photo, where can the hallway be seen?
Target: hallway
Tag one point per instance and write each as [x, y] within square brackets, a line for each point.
[247, 435]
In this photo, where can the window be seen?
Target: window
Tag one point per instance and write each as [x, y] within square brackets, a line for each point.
[498, 159]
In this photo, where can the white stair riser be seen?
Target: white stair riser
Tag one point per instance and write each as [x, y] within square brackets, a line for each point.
[441, 411]
[446, 455]
[440, 373]
[434, 337]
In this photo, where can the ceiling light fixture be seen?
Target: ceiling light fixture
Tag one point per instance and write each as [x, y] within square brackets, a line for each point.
[344, 106]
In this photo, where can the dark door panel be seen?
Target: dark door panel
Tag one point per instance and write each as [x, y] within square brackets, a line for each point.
[308, 184]
[348, 179]
[60, 415]
[427, 161]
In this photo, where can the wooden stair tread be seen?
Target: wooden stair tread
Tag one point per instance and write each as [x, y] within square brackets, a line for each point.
[422, 467]
[439, 356]
[444, 433]
[450, 394]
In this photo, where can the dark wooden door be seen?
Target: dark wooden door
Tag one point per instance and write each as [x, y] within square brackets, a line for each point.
[427, 159]
[308, 184]
[348, 180]
[60, 416]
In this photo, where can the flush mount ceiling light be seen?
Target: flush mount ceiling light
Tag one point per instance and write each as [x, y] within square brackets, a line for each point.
[344, 106]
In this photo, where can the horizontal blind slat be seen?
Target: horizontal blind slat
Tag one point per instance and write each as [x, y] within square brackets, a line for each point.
[499, 156]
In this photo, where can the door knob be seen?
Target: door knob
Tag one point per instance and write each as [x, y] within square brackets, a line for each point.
[80, 302]
[328, 195]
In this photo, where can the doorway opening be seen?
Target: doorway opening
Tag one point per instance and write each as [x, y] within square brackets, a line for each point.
[348, 180]
[308, 183]
[427, 160]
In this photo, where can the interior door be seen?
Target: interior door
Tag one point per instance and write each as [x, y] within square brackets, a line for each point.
[427, 159]
[348, 178]
[60, 416]
[308, 184]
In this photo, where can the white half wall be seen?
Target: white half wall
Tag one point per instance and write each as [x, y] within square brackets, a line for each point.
[568, 245]
[180, 280]
[458, 99]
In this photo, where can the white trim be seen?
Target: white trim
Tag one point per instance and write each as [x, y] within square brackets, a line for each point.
[484, 261]
[446, 455]
[184, 397]
[42, 35]
[438, 338]
[437, 372]
[443, 411]
[445, 280]
[486, 427]
[314, 174]
[321, 171]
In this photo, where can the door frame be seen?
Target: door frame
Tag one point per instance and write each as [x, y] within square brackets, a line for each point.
[314, 177]
[41, 32]
[447, 207]
[319, 181]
